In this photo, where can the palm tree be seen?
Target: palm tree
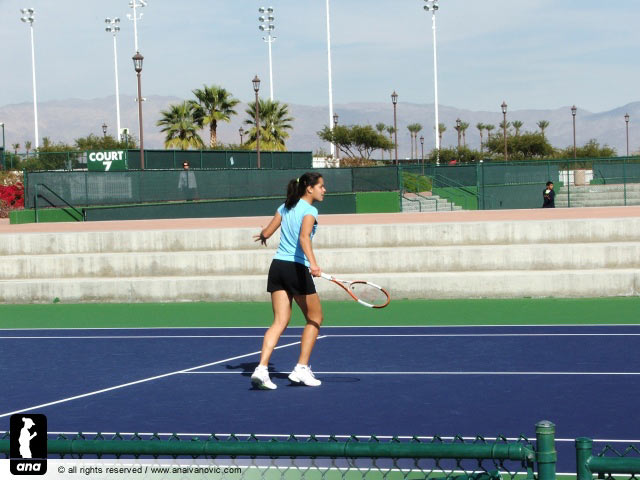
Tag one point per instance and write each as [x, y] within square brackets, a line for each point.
[212, 105]
[517, 124]
[414, 129]
[463, 128]
[381, 128]
[542, 125]
[179, 127]
[27, 146]
[391, 131]
[16, 147]
[441, 129]
[274, 123]
[480, 127]
[488, 128]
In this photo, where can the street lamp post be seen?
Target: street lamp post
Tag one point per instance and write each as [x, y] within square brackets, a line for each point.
[504, 128]
[114, 27]
[137, 64]
[422, 148]
[574, 110]
[626, 121]
[335, 124]
[104, 130]
[266, 25]
[241, 131]
[458, 123]
[394, 100]
[432, 5]
[256, 89]
[29, 18]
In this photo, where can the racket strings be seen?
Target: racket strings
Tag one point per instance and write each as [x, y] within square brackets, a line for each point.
[369, 294]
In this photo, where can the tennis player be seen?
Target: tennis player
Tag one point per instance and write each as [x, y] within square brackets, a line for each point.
[290, 277]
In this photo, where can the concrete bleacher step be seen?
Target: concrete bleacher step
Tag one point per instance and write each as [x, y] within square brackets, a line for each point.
[329, 236]
[432, 203]
[429, 285]
[378, 260]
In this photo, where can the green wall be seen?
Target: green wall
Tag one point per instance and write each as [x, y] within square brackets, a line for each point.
[378, 202]
[46, 215]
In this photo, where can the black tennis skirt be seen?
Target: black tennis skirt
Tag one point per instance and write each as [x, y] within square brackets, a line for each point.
[292, 277]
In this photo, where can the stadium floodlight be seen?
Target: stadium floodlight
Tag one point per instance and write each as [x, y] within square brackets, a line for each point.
[29, 18]
[267, 25]
[135, 17]
[432, 6]
[113, 27]
[333, 151]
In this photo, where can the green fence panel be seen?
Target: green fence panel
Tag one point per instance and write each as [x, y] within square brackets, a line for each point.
[378, 202]
[332, 204]
[208, 159]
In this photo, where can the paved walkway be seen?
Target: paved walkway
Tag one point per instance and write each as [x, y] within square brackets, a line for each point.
[352, 219]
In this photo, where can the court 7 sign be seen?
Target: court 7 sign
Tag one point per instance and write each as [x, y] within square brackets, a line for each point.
[107, 161]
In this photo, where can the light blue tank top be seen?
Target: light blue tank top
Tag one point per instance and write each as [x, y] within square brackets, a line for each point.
[290, 249]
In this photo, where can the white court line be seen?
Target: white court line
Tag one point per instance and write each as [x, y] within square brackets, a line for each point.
[488, 335]
[112, 337]
[337, 326]
[436, 373]
[149, 379]
[306, 435]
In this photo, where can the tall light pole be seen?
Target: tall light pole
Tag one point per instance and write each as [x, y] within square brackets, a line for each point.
[626, 120]
[394, 100]
[266, 25]
[422, 148]
[504, 128]
[137, 65]
[335, 124]
[28, 17]
[333, 152]
[574, 110]
[241, 132]
[256, 89]
[135, 17]
[113, 26]
[458, 123]
[432, 6]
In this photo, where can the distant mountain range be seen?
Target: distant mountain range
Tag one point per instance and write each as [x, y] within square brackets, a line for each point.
[65, 120]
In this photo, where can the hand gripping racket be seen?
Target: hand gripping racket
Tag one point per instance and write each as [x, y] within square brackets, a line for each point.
[365, 293]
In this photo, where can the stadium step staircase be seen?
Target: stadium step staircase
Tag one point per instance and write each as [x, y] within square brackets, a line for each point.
[422, 203]
[506, 259]
[598, 195]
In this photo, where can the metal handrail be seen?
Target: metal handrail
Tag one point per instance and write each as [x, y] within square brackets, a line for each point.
[82, 213]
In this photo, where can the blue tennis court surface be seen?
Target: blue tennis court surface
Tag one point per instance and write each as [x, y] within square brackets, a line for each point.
[381, 380]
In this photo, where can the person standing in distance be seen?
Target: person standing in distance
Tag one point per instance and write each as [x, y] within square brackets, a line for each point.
[290, 277]
[548, 196]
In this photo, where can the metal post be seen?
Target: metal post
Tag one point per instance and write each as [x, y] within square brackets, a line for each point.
[115, 62]
[28, 18]
[626, 121]
[140, 122]
[573, 114]
[394, 100]
[546, 455]
[584, 448]
[329, 71]
[258, 129]
[4, 166]
[624, 178]
[504, 129]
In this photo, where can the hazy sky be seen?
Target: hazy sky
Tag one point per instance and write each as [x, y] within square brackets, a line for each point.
[535, 54]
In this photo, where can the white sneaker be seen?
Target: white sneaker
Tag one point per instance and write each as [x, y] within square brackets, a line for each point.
[260, 379]
[303, 374]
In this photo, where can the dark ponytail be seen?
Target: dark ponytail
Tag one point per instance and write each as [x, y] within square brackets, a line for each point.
[297, 187]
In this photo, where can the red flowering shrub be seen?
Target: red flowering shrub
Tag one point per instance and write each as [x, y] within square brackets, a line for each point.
[11, 198]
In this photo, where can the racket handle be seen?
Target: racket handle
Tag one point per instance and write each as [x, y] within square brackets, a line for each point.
[326, 276]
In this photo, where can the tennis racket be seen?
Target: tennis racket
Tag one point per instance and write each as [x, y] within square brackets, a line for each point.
[365, 293]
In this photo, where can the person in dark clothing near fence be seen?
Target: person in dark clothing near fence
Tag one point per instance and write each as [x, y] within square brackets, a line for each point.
[548, 196]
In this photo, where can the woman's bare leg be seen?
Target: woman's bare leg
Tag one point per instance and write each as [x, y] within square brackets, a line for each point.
[312, 310]
[281, 303]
